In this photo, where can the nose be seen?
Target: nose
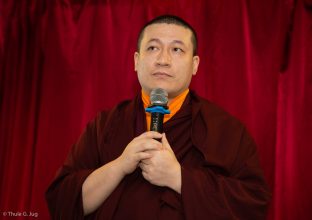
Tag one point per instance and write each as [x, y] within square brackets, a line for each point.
[164, 58]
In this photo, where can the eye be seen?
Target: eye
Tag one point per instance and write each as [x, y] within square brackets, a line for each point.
[177, 49]
[152, 48]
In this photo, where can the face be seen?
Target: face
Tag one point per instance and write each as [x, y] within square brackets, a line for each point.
[165, 59]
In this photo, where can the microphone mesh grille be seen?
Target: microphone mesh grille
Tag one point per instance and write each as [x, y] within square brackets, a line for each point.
[159, 96]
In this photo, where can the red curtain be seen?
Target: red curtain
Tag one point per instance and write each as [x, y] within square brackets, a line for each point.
[62, 61]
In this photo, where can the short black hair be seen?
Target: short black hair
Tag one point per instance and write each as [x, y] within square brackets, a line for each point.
[169, 19]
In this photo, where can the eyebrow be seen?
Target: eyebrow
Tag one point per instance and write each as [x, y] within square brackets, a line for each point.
[158, 41]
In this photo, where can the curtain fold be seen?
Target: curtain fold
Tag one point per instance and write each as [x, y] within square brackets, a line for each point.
[293, 148]
[63, 61]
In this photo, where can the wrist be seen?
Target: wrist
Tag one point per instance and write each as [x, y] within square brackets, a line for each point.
[119, 167]
[176, 182]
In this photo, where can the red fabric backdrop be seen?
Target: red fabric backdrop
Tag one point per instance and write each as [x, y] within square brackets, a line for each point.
[62, 61]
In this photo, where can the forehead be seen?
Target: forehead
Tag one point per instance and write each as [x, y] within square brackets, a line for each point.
[167, 32]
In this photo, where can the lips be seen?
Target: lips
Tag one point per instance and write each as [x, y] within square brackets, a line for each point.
[161, 74]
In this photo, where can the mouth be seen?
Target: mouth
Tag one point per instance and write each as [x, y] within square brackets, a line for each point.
[161, 74]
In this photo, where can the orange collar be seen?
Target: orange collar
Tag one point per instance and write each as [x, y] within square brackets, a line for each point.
[174, 106]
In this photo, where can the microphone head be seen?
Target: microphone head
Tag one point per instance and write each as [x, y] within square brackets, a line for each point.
[159, 96]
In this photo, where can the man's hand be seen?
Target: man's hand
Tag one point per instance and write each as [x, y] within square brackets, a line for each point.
[161, 167]
[138, 149]
[101, 182]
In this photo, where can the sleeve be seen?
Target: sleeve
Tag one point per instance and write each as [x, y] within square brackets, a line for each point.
[241, 194]
[64, 196]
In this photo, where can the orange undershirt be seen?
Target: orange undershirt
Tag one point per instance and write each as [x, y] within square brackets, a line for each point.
[174, 106]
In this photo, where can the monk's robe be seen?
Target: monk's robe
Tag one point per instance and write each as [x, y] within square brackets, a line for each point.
[221, 176]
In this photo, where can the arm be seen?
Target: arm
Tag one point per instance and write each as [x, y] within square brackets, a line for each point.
[84, 183]
[64, 197]
[240, 194]
[101, 183]
[208, 192]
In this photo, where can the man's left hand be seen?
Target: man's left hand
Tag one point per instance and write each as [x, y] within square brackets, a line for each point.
[163, 168]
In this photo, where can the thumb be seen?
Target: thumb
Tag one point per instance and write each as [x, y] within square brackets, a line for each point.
[165, 142]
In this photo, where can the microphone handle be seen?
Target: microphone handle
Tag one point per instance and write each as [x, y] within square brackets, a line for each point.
[157, 122]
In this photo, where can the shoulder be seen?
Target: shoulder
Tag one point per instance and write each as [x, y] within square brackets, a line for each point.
[106, 119]
[120, 107]
[213, 114]
[217, 132]
[105, 116]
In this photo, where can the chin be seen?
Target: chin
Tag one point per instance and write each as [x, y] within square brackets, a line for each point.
[157, 87]
[163, 86]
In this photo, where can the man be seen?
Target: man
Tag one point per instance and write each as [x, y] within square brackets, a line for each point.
[205, 166]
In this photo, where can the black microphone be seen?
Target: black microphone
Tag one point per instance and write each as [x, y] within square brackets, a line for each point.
[158, 108]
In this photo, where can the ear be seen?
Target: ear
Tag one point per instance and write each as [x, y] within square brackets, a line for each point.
[136, 60]
[195, 64]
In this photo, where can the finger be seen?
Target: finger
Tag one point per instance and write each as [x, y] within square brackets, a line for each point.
[143, 156]
[148, 145]
[146, 161]
[145, 175]
[151, 135]
[165, 142]
[141, 165]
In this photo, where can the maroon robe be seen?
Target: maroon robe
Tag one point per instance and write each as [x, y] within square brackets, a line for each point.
[221, 177]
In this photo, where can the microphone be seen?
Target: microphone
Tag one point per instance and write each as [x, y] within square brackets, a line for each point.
[158, 108]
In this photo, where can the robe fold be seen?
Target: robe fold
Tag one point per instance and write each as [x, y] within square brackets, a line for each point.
[221, 176]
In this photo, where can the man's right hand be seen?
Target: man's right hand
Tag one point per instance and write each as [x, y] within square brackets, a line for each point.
[138, 149]
[101, 182]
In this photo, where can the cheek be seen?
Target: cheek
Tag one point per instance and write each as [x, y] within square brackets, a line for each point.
[144, 65]
[186, 70]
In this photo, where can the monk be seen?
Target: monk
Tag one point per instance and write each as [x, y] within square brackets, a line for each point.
[205, 166]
